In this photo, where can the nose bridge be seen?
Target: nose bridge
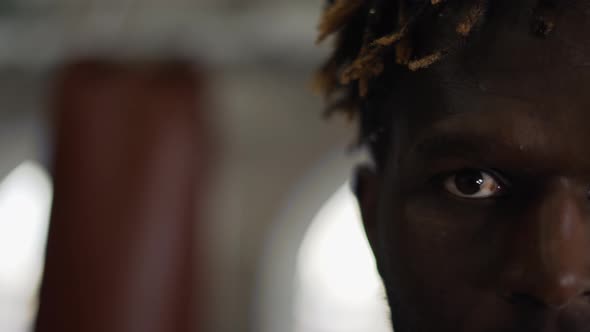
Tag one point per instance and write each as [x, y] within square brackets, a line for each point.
[561, 234]
[556, 256]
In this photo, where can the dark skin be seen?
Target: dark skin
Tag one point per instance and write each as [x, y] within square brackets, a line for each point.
[480, 217]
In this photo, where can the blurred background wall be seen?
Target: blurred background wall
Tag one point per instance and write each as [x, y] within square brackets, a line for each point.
[277, 162]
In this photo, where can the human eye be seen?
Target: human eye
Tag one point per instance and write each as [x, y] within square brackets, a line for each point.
[474, 184]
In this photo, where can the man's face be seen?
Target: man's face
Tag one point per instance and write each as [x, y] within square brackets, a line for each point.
[480, 220]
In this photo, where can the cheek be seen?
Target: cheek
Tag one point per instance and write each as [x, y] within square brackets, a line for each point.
[458, 240]
[443, 260]
[462, 244]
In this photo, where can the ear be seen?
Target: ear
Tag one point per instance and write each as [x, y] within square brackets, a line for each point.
[366, 191]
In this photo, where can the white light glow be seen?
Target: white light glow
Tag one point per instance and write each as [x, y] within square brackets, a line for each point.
[25, 201]
[338, 286]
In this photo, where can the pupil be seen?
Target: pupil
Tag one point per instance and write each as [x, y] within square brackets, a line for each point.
[469, 182]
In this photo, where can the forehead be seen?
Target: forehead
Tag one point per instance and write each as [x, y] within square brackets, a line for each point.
[506, 57]
[510, 87]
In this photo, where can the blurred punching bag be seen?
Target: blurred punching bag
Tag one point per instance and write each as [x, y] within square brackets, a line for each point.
[131, 156]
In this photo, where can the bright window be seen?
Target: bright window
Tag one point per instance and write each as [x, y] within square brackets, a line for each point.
[25, 201]
[338, 288]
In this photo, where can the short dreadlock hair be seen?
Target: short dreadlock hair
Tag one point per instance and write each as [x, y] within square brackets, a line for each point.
[376, 38]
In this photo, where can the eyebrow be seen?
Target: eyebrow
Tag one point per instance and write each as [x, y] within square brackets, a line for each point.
[440, 146]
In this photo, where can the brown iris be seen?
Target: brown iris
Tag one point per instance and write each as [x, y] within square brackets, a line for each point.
[469, 182]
